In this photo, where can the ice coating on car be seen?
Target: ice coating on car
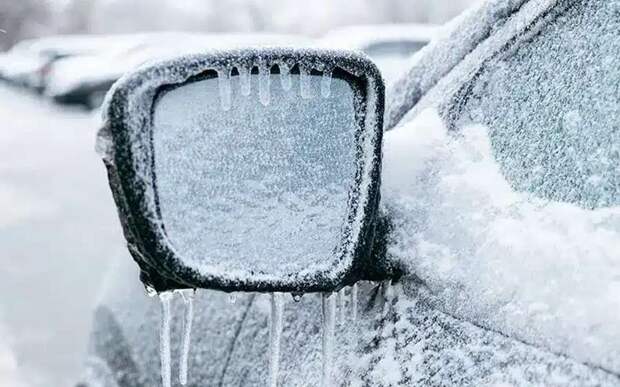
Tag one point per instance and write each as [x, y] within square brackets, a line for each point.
[254, 185]
[535, 269]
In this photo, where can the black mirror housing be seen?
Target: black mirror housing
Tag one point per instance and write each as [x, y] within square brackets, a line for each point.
[126, 142]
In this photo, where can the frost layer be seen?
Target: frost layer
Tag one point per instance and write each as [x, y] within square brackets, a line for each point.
[543, 271]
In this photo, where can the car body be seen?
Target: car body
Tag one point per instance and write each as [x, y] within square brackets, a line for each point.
[85, 80]
[390, 46]
[501, 310]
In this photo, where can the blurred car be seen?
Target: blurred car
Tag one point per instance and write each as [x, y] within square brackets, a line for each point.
[505, 207]
[390, 46]
[85, 80]
[28, 62]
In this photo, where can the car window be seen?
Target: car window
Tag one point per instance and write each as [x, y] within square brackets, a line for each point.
[552, 106]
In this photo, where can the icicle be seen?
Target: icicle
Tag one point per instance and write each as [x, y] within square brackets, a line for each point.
[277, 309]
[164, 338]
[188, 299]
[232, 298]
[304, 82]
[387, 294]
[354, 301]
[326, 84]
[285, 76]
[244, 80]
[342, 298]
[328, 304]
[264, 79]
[223, 77]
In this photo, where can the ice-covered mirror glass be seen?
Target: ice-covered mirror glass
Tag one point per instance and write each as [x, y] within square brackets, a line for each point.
[255, 172]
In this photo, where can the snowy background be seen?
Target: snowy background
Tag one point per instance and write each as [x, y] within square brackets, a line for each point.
[58, 225]
[32, 18]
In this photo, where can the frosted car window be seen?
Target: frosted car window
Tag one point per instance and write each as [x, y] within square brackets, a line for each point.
[552, 106]
[266, 183]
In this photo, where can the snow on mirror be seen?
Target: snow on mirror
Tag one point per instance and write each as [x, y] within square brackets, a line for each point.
[249, 177]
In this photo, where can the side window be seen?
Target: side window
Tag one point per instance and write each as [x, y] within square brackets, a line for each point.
[552, 106]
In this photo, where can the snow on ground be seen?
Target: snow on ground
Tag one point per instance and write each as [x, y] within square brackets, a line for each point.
[541, 271]
[57, 232]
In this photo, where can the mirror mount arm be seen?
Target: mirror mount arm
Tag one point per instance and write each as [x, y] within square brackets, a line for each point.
[382, 265]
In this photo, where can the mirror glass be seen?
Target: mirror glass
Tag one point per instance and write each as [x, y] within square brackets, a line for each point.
[249, 180]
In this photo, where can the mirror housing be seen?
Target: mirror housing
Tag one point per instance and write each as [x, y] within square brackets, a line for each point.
[126, 142]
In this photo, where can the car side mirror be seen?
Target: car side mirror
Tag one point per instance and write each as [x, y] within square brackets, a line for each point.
[248, 170]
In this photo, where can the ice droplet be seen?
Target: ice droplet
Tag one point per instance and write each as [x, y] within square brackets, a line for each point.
[188, 299]
[342, 298]
[164, 338]
[354, 301]
[285, 76]
[264, 80]
[275, 334]
[297, 296]
[328, 305]
[150, 291]
[304, 82]
[232, 298]
[326, 84]
[244, 80]
[223, 77]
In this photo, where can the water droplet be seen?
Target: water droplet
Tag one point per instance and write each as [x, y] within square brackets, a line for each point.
[232, 298]
[150, 291]
[297, 296]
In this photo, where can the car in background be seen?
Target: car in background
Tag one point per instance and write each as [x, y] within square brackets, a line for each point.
[85, 80]
[390, 46]
[28, 62]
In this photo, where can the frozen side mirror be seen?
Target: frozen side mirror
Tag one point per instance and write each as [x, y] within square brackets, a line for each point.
[248, 170]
